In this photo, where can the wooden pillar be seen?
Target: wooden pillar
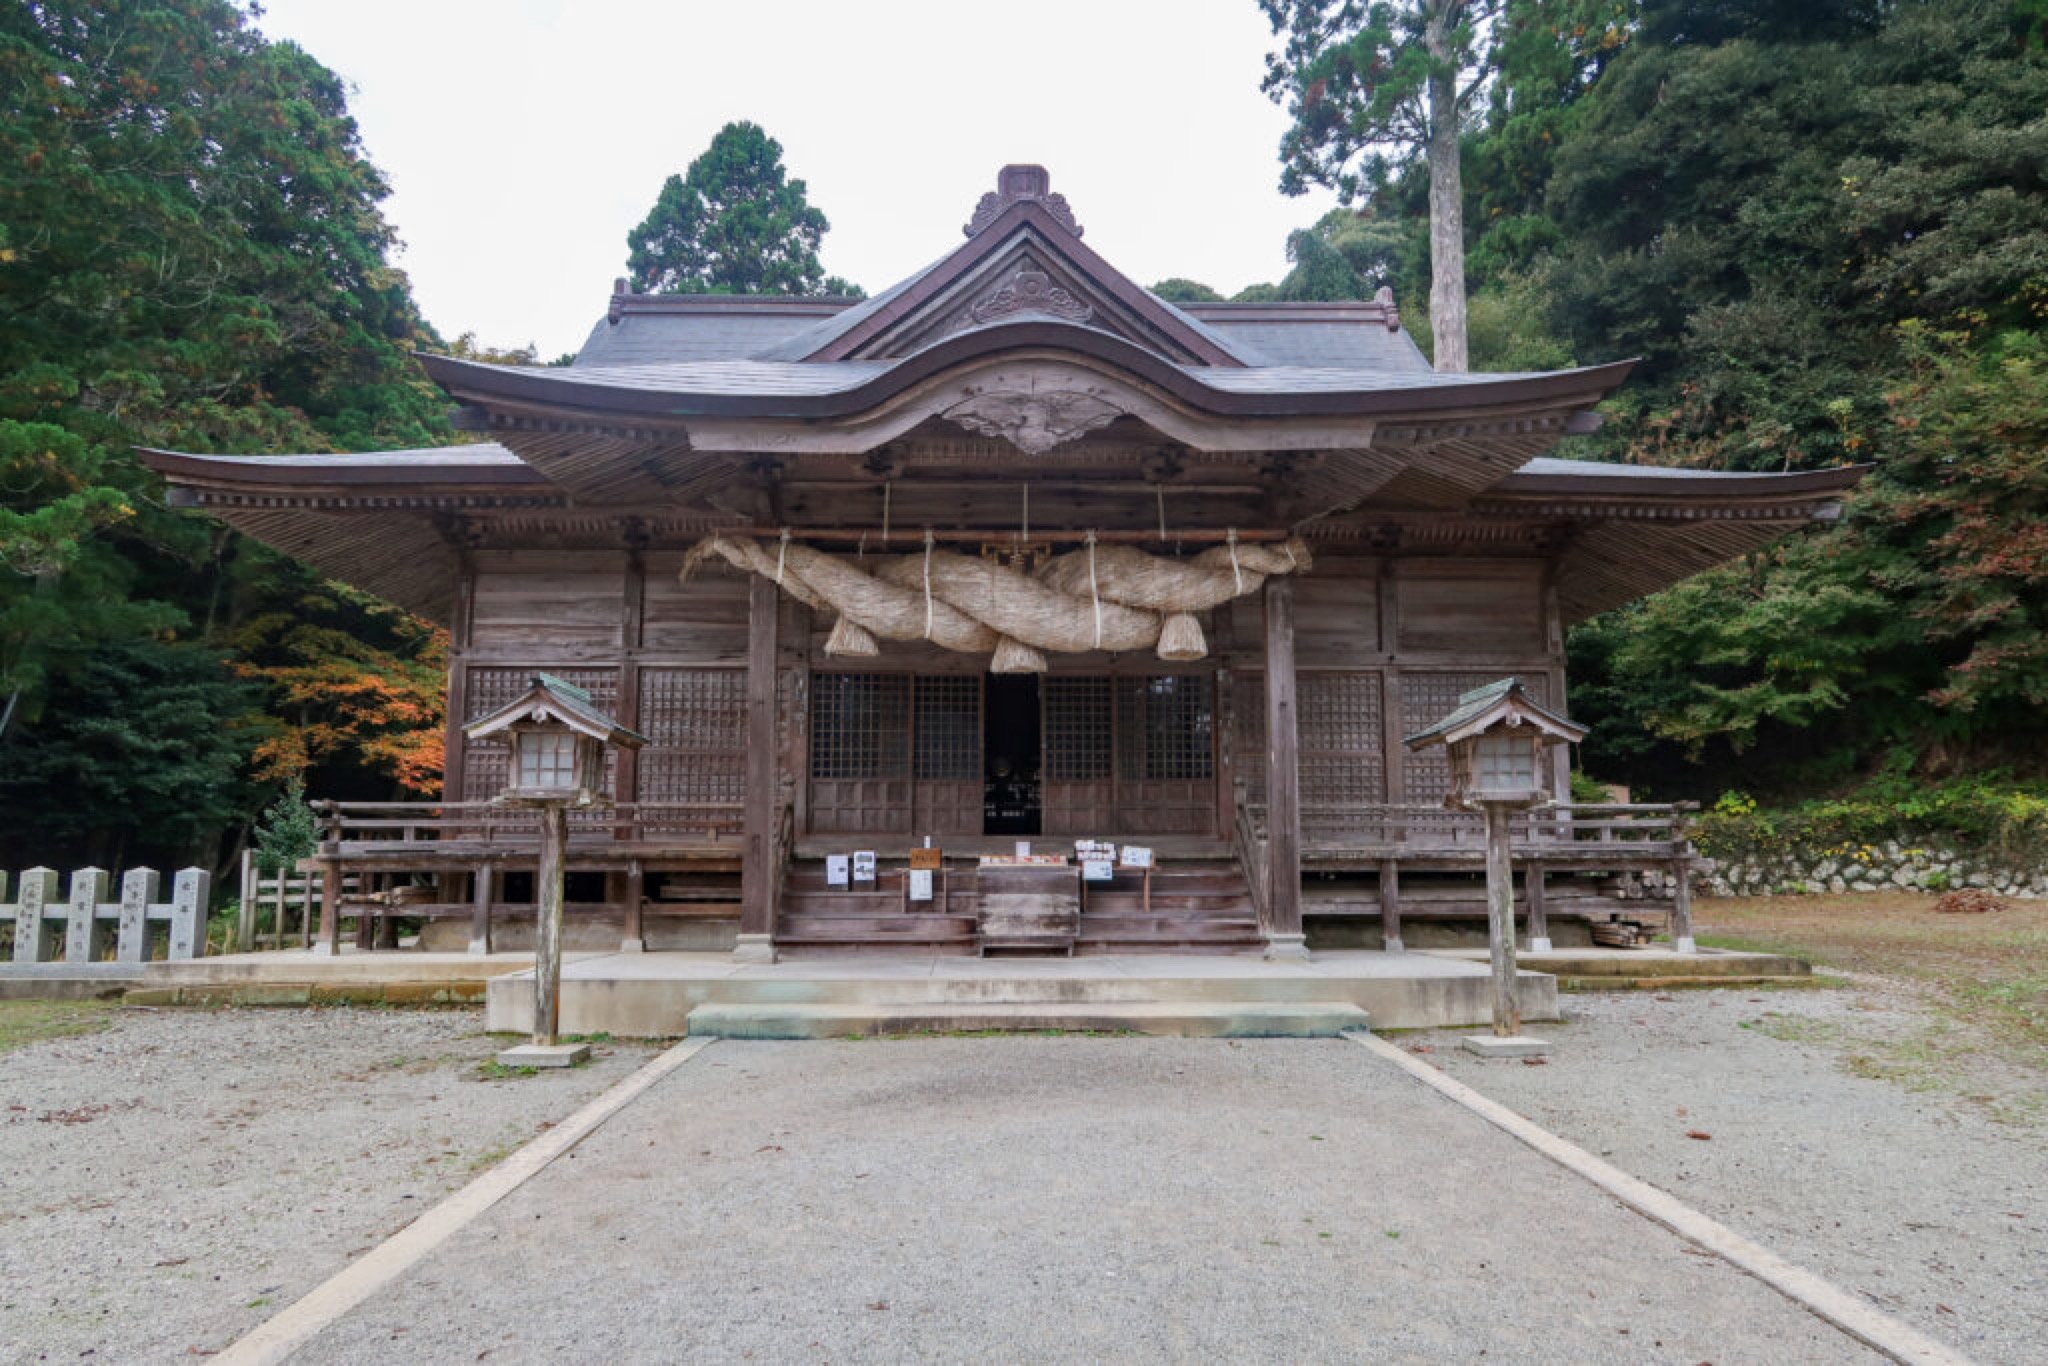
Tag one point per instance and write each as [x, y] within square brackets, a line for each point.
[1500, 920]
[756, 941]
[634, 938]
[626, 770]
[245, 905]
[330, 907]
[1681, 907]
[547, 960]
[1539, 916]
[1390, 907]
[1284, 937]
[480, 909]
[453, 746]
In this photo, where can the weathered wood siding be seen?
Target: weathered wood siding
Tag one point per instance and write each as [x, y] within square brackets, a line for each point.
[1383, 647]
[667, 657]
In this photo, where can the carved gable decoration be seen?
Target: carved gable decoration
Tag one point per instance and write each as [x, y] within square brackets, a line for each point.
[1018, 184]
[1029, 291]
[1034, 422]
[1031, 268]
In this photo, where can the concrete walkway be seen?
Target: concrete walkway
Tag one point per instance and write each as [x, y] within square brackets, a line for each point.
[1064, 1199]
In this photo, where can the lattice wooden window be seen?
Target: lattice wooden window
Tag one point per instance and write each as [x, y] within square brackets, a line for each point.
[1427, 699]
[1341, 739]
[1077, 729]
[1248, 734]
[486, 764]
[948, 714]
[695, 721]
[860, 726]
[1166, 728]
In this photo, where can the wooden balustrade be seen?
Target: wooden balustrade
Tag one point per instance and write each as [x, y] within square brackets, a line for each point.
[1630, 832]
[348, 827]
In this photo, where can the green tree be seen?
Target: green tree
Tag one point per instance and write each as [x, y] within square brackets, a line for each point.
[733, 223]
[287, 831]
[137, 758]
[1183, 291]
[1373, 88]
[191, 256]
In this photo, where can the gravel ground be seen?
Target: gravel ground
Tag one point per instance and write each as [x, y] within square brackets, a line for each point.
[171, 1182]
[1064, 1199]
[1912, 1192]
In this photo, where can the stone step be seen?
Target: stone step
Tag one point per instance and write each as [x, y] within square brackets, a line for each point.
[1241, 1019]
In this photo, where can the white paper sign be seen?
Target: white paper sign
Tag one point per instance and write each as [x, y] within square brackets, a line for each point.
[1137, 857]
[1023, 848]
[836, 870]
[920, 884]
[864, 865]
[1096, 870]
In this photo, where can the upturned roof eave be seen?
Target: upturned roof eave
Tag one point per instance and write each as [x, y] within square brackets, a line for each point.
[589, 399]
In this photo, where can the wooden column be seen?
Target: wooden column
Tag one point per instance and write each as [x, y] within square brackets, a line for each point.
[480, 909]
[626, 768]
[1500, 920]
[1390, 906]
[1681, 907]
[454, 755]
[634, 939]
[547, 928]
[1539, 917]
[330, 907]
[757, 896]
[1284, 938]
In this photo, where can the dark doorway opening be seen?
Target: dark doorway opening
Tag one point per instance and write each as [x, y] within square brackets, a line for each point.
[1010, 745]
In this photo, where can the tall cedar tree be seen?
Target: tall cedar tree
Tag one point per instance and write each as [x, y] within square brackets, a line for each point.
[1371, 89]
[733, 223]
[191, 256]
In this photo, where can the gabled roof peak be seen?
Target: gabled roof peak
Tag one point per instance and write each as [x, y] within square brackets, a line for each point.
[1021, 184]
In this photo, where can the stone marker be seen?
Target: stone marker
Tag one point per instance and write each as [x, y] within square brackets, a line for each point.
[1511, 1046]
[544, 1055]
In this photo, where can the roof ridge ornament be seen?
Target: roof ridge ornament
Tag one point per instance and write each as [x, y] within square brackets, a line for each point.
[1018, 184]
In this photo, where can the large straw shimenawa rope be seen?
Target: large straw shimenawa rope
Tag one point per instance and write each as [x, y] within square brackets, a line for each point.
[1102, 597]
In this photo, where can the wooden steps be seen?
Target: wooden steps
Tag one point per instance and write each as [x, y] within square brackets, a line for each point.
[1198, 907]
[1203, 907]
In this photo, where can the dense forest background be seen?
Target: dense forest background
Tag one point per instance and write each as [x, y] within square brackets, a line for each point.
[1822, 226]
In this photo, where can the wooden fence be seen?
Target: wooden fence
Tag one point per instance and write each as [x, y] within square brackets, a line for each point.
[91, 920]
[276, 908]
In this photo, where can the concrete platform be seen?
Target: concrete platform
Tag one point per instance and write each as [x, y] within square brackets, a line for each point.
[292, 977]
[1303, 1020]
[1603, 969]
[652, 995]
[67, 981]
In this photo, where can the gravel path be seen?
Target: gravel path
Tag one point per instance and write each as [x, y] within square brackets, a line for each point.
[1064, 1199]
[168, 1184]
[1921, 1200]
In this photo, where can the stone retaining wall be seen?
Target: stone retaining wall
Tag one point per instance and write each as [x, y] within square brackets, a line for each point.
[1886, 867]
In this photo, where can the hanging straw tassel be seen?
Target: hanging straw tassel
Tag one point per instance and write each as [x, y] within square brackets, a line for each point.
[1181, 638]
[927, 584]
[850, 640]
[1094, 591]
[1013, 656]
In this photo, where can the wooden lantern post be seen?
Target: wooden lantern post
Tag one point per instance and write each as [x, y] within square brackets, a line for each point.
[1495, 740]
[558, 740]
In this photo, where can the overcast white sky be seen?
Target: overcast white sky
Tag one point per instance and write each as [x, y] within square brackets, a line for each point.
[523, 138]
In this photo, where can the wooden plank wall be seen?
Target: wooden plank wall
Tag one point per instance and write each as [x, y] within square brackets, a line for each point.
[667, 657]
[1383, 647]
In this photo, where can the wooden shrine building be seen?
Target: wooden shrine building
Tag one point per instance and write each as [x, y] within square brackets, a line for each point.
[1014, 550]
